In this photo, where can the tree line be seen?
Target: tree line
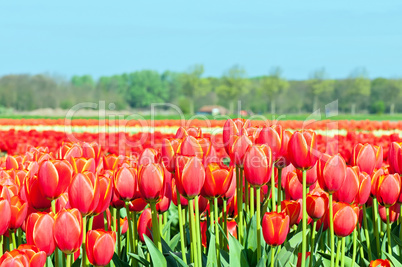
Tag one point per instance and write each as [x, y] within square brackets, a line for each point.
[190, 90]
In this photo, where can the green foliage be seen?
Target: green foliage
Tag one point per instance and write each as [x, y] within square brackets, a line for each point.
[377, 107]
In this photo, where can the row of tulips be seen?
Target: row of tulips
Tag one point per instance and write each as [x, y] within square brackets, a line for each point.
[79, 205]
[351, 125]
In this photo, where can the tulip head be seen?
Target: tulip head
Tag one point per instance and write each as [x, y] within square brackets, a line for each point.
[54, 177]
[151, 181]
[100, 246]
[275, 228]
[39, 232]
[380, 263]
[217, 180]
[190, 176]
[367, 157]
[331, 172]
[293, 209]
[389, 189]
[84, 193]
[126, 183]
[258, 165]
[302, 149]
[345, 219]
[68, 221]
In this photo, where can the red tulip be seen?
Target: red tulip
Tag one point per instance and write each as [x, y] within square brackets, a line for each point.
[15, 258]
[375, 177]
[367, 157]
[110, 162]
[389, 188]
[350, 187]
[380, 263]
[35, 197]
[126, 183]
[364, 188]
[217, 181]
[302, 149]
[83, 193]
[19, 212]
[345, 219]
[36, 258]
[100, 247]
[149, 155]
[232, 128]
[5, 218]
[144, 225]
[183, 200]
[393, 213]
[164, 204]
[299, 258]
[39, 232]
[54, 177]
[316, 205]
[258, 165]
[68, 221]
[239, 148]
[331, 172]
[169, 150]
[293, 209]
[183, 132]
[395, 158]
[190, 176]
[151, 181]
[311, 175]
[232, 187]
[275, 228]
[190, 147]
[105, 193]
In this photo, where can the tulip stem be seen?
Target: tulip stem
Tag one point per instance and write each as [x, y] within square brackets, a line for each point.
[13, 239]
[279, 189]
[155, 226]
[237, 197]
[331, 229]
[54, 206]
[312, 250]
[218, 256]
[354, 245]
[375, 223]
[304, 219]
[258, 220]
[135, 238]
[181, 223]
[272, 256]
[343, 252]
[338, 251]
[160, 219]
[193, 232]
[198, 230]
[105, 221]
[246, 197]
[56, 257]
[366, 232]
[114, 225]
[84, 235]
[68, 260]
[400, 231]
[225, 221]
[251, 201]
[388, 232]
[130, 240]
[361, 247]
[1, 245]
[273, 190]
[118, 233]
[240, 211]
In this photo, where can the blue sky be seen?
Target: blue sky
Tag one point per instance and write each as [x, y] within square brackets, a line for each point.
[112, 37]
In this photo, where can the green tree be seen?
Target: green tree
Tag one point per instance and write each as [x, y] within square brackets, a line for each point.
[234, 84]
[193, 85]
[359, 88]
[272, 85]
[319, 84]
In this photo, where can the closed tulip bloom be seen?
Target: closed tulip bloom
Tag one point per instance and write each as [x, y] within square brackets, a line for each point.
[164, 204]
[331, 172]
[68, 230]
[389, 188]
[5, 218]
[190, 176]
[151, 181]
[183, 132]
[375, 178]
[393, 213]
[168, 151]
[81, 165]
[395, 158]
[100, 247]
[272, 137]
[367, 157]
[233, 128]
[239, 148]
[311, 175]
[345, 219]
[293, 188]
[258, 165]
[83, 193]
[54, 177]
[292, 208]
[350, 187]
[190, 147]
[316, 205]
[275, 228]
[36, 257]
[149, 155]
[15, 258]
[19, 212]
[364, 189]
[110, 162]
[105, 193]
[217, 181]
[232, 187]
[34, 194]
[138, 205]
[144, 224]
[183, 200]
[302, 149]
[39, 232]
[126, 183]
[380, 263]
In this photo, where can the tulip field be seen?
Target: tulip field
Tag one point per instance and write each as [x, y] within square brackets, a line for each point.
[218, 193]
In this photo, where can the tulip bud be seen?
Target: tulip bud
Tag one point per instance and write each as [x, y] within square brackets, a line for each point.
[14, 258]
[350, 187]
[389, 188]
[19, 212]
[345, 219]
[302, 149]
[144, 225]
[393, 213]
[232, 128]
[190, 147]
[367, 157]
[105, 193]
[100, 247]
[149, 155]
[275, 228]
[239, 148]
[34, 194]
[68, 221]
[169, 150]
[364, 189]
[126, 183]
[316, 205]
[395, 158]
[39, 232]
[151, 181]
[83, 193]
[190, 176]
[217, 181]
[54, 177]
[331, 172]
[293, 209]
[183, 132]
[311, 175]
[5, 218]
[36, 258]
[258, 165]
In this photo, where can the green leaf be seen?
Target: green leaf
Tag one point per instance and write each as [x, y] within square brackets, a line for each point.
[77, 263]
[178, 259]
[141, 260]
[236, 255]
[396, 239]
[225, 258]
[211, 260]
[262, 262]
[174, 241]
[289, 248]
[394, 261]
[157, 257]
[251, 241]
[348, 261]
[118, 262]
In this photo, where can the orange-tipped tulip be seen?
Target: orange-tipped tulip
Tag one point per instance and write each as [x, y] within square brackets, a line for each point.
[36, 257]
[100, 247]
[149, 155]
[168, 151]
[364, 189]
[380, 263]
[302, 150]
[275, 228]
[393, 213]
[15, 258]
[239, 148]
[395, 158]
[19, 212]
[126, 183]
[233, 128]
[83, 193]
[34, 194]
[68, 221]
[39, 232]
[183, 132]
[54, 177]
[190, 147]
[389, 189]
[217, 181]
[311, 175]
[105, 192]
[331, 172]
[316, 205]
[258, 165]
[345, 219]
[367, 157]
[144, 224]
[5, 218]
[151, 181]
[190, 176]
[350, 188]
[292, 208]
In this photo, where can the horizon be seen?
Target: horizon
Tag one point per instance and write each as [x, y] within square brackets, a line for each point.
[66, 39]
